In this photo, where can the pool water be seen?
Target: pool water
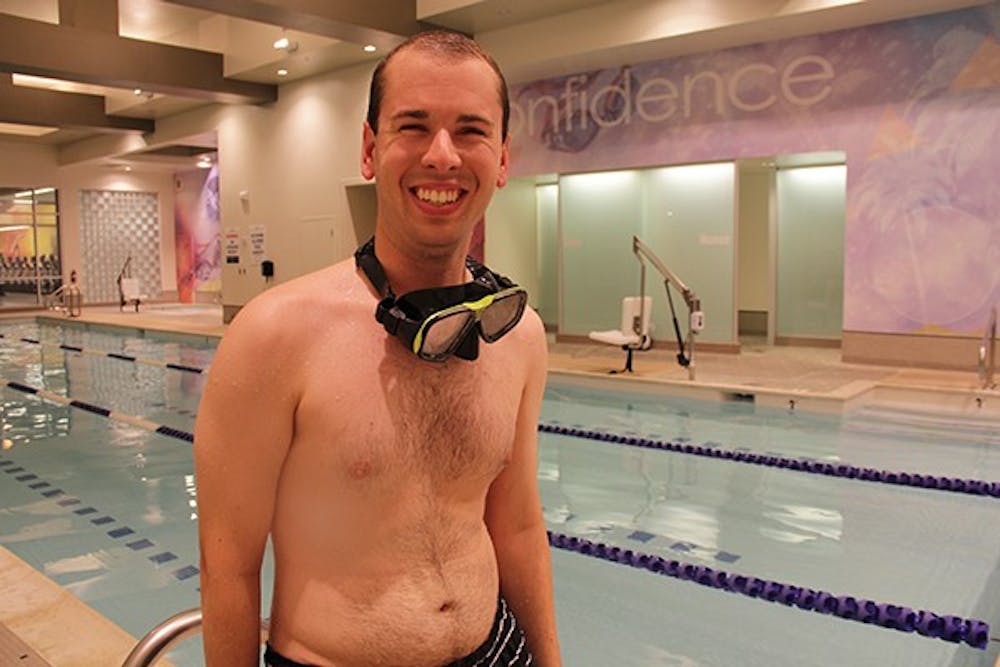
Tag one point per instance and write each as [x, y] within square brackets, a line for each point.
[121, 533]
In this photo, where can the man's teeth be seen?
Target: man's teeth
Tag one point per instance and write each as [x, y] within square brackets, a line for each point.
[437, 196]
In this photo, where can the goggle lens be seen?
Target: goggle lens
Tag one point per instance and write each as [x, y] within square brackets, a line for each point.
[501, 315]
[442, 335]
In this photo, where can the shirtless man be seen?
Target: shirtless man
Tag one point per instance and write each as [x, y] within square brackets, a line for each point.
[400, 494]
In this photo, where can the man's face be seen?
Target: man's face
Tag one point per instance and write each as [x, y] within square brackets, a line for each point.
[438, 155]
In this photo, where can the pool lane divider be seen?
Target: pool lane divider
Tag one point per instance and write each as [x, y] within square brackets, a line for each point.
[938, 483]
[134, 420]
[112, 355]
[950, 628]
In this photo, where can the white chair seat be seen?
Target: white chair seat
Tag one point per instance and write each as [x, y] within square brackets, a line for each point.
[636, 313]
[614, 337]
[129, 292]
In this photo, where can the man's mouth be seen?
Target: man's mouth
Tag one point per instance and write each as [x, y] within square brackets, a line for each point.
[436, 197]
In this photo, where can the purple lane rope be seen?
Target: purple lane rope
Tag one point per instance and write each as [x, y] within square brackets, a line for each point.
[956, 629]
[939, 483]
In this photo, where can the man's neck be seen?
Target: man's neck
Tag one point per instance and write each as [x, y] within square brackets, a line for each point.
[409, 269]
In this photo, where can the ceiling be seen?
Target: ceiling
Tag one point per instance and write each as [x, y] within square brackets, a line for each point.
[72, 69]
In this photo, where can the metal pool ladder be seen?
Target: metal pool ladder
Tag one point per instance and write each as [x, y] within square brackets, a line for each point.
[178, 627]
[987, 352]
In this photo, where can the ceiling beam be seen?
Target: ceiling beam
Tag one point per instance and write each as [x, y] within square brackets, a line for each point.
[32, 106]
[105, 59]
[90, 14]
[384, 23]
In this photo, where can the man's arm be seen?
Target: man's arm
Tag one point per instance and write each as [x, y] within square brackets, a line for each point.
[514, 515]
[242, 435]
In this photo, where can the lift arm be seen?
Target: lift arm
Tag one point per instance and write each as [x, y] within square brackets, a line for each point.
[696, 318]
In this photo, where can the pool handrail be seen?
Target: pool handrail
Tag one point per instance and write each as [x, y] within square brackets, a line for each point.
[177, 628]
[987, 351]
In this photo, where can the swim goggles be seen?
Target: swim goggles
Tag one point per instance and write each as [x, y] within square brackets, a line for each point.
[439, 322]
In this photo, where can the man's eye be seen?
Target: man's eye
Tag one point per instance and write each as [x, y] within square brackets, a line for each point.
[412, 127]
[473, 131]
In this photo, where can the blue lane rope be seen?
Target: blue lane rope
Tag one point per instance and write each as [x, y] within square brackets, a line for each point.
[112, 355]
[141, 422]
[939, 483]
[971, 631]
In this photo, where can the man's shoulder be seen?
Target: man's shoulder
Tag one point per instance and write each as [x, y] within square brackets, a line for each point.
[297, 302]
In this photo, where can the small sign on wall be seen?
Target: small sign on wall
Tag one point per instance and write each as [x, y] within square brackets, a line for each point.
[258, 243]
[231, 245]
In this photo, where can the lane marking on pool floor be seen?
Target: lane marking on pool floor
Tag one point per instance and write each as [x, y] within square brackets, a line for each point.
[116, 530]
[112, 355]
[975, 487]
[971, 631]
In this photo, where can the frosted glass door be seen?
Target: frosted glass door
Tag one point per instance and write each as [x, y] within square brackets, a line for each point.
[599, 214]
[810, 298]
[689, 219]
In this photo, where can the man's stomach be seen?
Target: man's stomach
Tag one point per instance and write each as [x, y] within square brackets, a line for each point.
[421, 599]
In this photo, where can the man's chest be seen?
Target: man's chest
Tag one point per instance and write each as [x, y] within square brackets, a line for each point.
[401, 416]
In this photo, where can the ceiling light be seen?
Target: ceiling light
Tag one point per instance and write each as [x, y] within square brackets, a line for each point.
[285, 44]
[137, 91]
[204, 163]
[370, 48]
[128, 168]
[282, 72]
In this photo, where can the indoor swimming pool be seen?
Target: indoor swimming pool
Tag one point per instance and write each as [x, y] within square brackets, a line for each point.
[719, 506]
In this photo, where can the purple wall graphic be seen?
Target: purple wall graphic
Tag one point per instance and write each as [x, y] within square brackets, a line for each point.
[915, 105]
[196, 233]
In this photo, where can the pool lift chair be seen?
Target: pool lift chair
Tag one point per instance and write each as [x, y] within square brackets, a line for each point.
[636, 312]
[128, 287]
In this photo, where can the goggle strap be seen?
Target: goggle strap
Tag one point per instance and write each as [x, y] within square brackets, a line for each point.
[365, 259]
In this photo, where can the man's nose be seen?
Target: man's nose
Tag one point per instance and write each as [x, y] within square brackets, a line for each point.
[441, 154]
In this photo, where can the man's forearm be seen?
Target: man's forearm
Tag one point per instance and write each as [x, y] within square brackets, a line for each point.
[526, 581]
[231, 621]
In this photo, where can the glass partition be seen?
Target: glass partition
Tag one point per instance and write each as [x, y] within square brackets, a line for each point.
[685, 214]
[810, 272]
[688, 222]
[29, 246]
[598, 215]
[547, 215]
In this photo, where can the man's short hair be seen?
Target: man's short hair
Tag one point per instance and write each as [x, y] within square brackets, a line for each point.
[448, 44]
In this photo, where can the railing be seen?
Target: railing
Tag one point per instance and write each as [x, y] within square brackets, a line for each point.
[175, 629]
[67, 299]
[987, 352]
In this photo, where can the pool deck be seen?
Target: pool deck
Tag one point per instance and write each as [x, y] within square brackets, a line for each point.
[36, 615]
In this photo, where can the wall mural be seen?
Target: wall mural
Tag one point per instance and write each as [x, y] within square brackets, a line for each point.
[197, 234]
[915, 105]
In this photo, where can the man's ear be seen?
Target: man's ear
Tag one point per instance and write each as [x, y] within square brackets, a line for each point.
[504, 160]
[368, 152]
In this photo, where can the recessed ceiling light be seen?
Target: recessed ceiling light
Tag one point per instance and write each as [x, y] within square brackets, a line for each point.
[128, 168]
[370, 48]
[137, 91]
[282, 72]
[281, 43]
[204, 163]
